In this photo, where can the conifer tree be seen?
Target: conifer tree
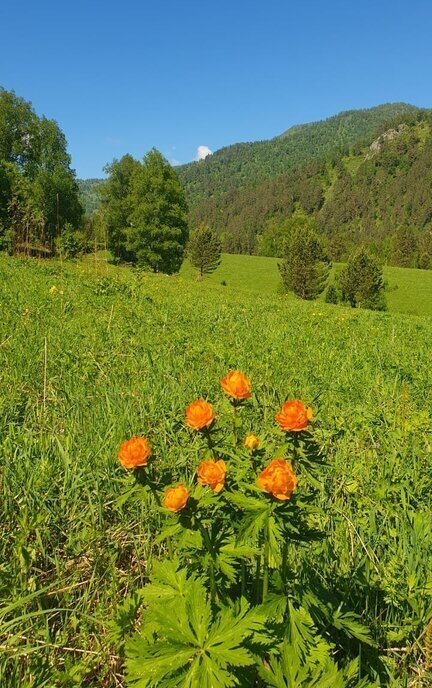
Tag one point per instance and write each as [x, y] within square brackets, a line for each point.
[361, 281]
[204, 250]
[306, 266]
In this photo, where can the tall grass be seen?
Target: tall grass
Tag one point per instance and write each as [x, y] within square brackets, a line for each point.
[110, 352]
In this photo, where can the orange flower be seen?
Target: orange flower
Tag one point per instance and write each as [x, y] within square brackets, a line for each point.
[212, 473]
[199, 414]
[134, 452]
[176, 497]
[294, 416]
[278, 479]
[236, 385]
[251, 442]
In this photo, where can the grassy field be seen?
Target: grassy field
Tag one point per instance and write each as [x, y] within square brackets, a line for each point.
[90, 356]
[408, 290]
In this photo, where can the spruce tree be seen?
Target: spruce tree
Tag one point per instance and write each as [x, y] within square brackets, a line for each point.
[204, 250]
[361, 281]
[306, 266]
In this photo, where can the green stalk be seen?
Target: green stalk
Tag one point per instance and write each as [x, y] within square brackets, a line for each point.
[211, 571]
[258, 579]
[235, 410]
[243, 579]
[265, 568]
[284, 564]
[170, 549]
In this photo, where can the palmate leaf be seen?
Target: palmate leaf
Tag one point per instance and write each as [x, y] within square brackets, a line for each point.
[350, 623]
[255, 516]
[316, 669]
[228, 556]
[188, 644]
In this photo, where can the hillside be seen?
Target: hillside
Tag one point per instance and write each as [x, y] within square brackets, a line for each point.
[243, 165]
[89, 194]
[358, 197]
[246, 164]
[408, 291]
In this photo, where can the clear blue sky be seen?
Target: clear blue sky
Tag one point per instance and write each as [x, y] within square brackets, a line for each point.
[128, 75]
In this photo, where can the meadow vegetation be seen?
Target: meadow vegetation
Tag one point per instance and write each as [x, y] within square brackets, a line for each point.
[408, 290]
[91, 355]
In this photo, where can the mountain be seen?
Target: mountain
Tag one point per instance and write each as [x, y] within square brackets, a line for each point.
[362, 175]
[363, 195]
[89, 194]
[247, 164]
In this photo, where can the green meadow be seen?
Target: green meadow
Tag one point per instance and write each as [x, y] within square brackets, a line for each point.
[407, 290]
[91, 354]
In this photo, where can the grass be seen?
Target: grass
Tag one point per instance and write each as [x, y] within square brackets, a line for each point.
[90, 354]
[407, 290]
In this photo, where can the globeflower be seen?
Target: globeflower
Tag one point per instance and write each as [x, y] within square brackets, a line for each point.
[251, 442]
[278, 479]
[212, 473]
[134, 452]
[199, 414]
[175, 498]
[236, 385]
[293, 416]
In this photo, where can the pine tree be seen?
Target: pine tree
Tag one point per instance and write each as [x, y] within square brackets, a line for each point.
[204, 250]
[361, 281]
[306, 266]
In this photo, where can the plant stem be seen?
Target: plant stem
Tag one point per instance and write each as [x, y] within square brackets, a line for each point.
[235, 410]
[211, 571]
[266, 565]
[170, 549]
[243, 579]
[265, 572]
[284, 564]
[207, 435]
[257, 579]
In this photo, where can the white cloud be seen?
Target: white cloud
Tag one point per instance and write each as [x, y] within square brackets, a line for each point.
[203, 152]
[174, 162]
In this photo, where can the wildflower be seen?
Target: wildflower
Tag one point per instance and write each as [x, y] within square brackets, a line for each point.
[251, 442]
[53, 289]
[199, 414]
[134, 452]
[278, 479]
[212, 473]
[176, 497]
[236, 385]
[294, 416]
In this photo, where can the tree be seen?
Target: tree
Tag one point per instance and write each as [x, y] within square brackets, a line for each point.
[204, 250]
[38, 188]
[158, 231]
[404, 247]
[361, 281]
[306, 265]
[117, 205]
[331, 295]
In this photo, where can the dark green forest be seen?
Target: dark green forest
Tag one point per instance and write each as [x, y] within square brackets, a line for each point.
[246, 164]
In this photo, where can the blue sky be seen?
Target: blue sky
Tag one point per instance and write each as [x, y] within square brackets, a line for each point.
[125, 76]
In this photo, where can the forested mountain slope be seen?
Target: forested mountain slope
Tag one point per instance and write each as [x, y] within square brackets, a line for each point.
[365, 196]
[246, 164]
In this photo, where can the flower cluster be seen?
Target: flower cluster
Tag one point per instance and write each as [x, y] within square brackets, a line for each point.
[276, 479]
